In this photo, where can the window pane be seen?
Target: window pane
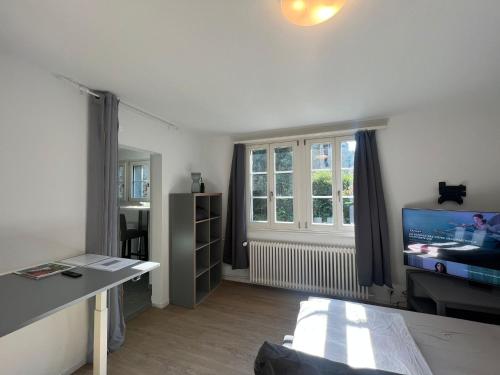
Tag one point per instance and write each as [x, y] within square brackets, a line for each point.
[259, 207]
[322, 211]
[347, 182]
[284, 185]
[121, 191]
[348, 209]
[259, 185]
[283, 157]
[322, 183]
[259, 160]
[347, 149]
[321, 156]
[145, 172]
[137, 173]
[137, 189]
[145, 189]
[284, 210]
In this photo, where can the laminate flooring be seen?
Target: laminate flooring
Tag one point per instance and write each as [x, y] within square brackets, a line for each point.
[220, 336]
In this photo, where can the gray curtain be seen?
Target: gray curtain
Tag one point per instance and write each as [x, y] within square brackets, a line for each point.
[371, 229]
[235, 245]
[102, 203]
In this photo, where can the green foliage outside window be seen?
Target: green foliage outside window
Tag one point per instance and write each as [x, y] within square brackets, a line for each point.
[347, 182]
[322, 184]
[322, 187]
[284, 210]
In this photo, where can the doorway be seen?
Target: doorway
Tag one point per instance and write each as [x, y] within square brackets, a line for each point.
[134, 195]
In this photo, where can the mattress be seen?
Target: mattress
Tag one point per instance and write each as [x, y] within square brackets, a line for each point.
[357, 335]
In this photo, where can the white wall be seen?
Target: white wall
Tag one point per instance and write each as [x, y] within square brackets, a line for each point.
[43, 141]
[125, 154]
[457, 142]
[43, 125]
[182, 152]
[43, 151]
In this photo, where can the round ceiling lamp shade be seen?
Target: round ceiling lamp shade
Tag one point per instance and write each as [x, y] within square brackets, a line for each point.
[310, 12]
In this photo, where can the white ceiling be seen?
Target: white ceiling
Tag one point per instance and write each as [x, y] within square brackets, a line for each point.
[237, 66]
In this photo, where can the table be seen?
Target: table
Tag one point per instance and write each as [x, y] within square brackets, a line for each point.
[449, 293]
[28, 300]
[135, 207]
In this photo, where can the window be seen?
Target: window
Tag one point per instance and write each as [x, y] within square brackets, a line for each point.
[330, 195]
[259, 184]
[271, 184]
[347, 149]
[305, 184]
[122, 181]
[283, 184]
[140, 183]
[321, 197]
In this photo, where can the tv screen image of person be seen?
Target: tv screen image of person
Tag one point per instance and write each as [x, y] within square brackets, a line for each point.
[459, 243]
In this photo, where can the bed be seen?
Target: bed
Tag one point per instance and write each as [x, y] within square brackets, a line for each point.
[390, 340]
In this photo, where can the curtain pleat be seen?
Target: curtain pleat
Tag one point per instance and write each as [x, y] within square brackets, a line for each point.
[102, 204]
[370, 215]
[235, 245]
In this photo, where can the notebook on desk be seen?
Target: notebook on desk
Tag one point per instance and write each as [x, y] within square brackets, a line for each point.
[100, 262]
[84, 260]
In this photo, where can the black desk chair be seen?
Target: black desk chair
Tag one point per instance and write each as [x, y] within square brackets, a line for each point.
[126, 237]
[143, 227]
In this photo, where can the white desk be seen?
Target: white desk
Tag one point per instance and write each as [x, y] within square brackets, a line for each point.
[135, 207]
[26, 301]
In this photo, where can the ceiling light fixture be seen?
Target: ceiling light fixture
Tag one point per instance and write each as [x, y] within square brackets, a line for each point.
[310, 12]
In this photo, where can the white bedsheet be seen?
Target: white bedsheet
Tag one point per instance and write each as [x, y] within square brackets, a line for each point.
[357, 335]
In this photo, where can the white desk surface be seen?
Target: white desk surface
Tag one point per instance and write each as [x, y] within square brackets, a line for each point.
[135, 207]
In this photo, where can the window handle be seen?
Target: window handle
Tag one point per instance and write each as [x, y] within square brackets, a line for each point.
[339, 193]
[271, 195]
[306, 224]
[299, 224]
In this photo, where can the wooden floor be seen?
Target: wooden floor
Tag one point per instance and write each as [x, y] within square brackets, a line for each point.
[221, 336]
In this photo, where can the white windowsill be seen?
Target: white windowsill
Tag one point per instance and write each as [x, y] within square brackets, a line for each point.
[346, 233]
[305, 235]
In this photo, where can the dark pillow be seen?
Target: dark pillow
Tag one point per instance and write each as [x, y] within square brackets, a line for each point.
[278, 360]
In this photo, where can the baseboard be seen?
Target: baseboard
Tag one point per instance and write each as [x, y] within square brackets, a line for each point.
[160, 305]
[238, 279]
[72, 369]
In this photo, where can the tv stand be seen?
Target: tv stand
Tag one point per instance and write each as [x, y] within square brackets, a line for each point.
[481, 286]
[434, 293]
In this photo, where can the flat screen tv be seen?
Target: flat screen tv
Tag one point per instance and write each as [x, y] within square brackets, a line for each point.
[465, 244]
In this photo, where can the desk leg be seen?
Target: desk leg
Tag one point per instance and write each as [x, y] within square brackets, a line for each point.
[100, 334]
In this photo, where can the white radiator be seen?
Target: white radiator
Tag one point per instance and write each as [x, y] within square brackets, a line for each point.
[324, 269]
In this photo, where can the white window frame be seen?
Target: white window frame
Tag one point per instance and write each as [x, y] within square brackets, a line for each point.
[271, 194]
[251, 223]
[271, 187]
[338, 142]
[131, 180]
[124, 164]
[338, 220]
[309, 224]
[302, 187]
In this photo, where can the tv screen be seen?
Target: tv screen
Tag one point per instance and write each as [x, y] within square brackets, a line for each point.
[459, 243]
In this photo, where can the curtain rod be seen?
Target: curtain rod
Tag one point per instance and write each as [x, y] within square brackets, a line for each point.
[86, 90]
[311, 132]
